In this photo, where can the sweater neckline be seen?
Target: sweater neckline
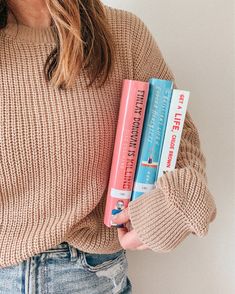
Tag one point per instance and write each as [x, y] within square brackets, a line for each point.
[26, 34]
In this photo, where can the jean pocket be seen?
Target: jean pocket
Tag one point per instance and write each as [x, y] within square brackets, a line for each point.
[95, 262]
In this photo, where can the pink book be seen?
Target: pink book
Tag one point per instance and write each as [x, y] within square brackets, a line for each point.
[126, 148]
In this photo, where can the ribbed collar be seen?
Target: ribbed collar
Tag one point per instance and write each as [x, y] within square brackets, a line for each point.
[26, 34]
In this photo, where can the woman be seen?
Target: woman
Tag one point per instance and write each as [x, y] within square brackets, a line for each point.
[62, 64]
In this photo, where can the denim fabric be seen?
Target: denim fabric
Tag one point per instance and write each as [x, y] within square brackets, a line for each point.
[67, 270]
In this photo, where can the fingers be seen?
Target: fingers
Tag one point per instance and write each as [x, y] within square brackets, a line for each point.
[121, 217]
[128, 240]
[127, 235]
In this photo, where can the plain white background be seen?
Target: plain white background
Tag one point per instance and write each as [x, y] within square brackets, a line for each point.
[197, 41]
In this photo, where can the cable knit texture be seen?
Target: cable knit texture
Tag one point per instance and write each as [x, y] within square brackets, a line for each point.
[56, 149]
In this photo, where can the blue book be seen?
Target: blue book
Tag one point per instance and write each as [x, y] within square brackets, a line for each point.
[155, 121]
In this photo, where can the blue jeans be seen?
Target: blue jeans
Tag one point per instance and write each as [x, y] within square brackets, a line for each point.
[67, 270]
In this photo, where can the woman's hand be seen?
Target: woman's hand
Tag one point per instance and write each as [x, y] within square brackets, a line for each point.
[127, 237]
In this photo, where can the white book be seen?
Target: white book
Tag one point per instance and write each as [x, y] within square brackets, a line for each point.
[175, 123]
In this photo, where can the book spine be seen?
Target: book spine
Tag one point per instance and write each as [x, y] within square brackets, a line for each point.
[158, 103]
[174, 130]
[129, 128]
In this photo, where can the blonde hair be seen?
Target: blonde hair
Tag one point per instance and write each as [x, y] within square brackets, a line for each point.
[83, 41]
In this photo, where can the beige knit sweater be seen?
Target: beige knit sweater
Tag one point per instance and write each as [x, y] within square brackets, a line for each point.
[56, 149]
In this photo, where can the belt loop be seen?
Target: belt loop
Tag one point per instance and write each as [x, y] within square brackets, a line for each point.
[73, 253]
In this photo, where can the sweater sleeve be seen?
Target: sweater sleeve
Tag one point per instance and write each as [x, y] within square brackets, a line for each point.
[181, 203]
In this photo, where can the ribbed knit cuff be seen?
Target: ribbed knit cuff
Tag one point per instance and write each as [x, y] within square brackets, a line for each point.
[158, 223]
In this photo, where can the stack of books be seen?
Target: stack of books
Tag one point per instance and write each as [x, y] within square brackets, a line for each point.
[149, 129]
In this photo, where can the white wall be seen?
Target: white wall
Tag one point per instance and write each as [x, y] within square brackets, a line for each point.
[197, 41]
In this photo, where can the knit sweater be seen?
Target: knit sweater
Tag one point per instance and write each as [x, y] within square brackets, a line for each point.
[56, 150]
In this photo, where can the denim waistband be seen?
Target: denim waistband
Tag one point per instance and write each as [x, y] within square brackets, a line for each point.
[64, 247]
